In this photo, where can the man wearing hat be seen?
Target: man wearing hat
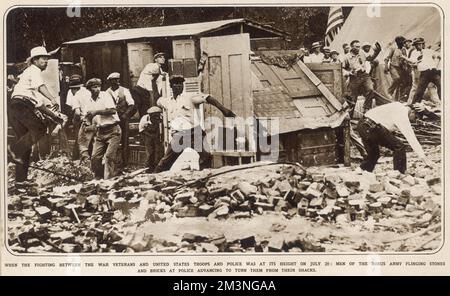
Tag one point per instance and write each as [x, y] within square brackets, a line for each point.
[125, 109]
[76, 89]
[316, 56]
[185, 124]
[354, 66]
[326, 55]
[102, 113]
[334, 55]
[149, 86]
[394, 65]
[429, 68]
[150, 128]
[376, 129]
[28, 114]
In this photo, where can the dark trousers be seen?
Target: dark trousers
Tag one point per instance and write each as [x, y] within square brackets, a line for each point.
[106, 146]
[124, 141]
[373, 136]
[76, 149]
[362, 85]
[29, 129]
[154, 148]
[433, 76]
[143, 99]
[192, 138]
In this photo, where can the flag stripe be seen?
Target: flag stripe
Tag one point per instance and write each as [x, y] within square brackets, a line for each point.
[335, 21]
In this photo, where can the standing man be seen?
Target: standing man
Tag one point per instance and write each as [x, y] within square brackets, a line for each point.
[354, 66]
[184, 121]
[28, 115]
[376, 129]
[149, 86]
[393, 65]
[346, 48]
[428, 65]
[316, 56]
[326, 55]
[76, 88]
[335, 57]
[103, 114]
[83, 103]
[125, 109]
[412, 60]
[150, 128]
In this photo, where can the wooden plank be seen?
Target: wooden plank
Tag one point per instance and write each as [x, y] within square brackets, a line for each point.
[325, 91]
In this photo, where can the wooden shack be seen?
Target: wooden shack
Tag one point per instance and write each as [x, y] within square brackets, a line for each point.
[305, 99]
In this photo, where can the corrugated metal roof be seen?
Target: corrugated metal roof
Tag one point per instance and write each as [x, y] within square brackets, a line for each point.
[167, 31]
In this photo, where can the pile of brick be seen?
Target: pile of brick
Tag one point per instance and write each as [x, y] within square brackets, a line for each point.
[93, 216]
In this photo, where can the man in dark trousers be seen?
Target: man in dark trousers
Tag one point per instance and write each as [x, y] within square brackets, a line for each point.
[125, 109]
[355, 67]
[150, 128]
[148, 87]
[429, 67]
[28, 115]
[184, 121]
[376, 129]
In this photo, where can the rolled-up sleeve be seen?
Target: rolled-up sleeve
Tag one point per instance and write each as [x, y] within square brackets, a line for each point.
[128, 97]
[198, 99]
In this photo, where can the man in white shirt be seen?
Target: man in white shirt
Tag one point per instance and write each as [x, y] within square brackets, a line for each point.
[376, 129]
[125, 109]
[103, 114]
[149, 86]
[150, 129]
[184, 118]
[316, 56]
[76, 89]
[28, 114]
[354, 66]
[428, 65]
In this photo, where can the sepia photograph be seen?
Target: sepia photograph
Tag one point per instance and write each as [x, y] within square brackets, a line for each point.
[223, 129]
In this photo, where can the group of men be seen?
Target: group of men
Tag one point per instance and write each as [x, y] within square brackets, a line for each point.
[411, 66]
[101, 118]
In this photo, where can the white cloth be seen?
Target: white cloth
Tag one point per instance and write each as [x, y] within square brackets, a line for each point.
[145, 120]
[316, 58]
[430, 60]
[71, 98]
[126, 93]
[183, 113]
[103, 101]
[28, 86]
[146, 76]
[394, 116]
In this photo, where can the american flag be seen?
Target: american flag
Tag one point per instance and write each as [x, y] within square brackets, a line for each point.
[335, 21]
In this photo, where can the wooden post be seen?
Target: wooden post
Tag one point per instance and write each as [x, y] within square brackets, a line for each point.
[346, 138]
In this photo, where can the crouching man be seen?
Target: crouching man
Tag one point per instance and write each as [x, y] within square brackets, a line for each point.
[104, 116]
[376, 129]
[149, 127]
[184, 121]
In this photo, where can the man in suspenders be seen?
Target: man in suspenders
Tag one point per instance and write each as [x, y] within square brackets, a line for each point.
[125, 109]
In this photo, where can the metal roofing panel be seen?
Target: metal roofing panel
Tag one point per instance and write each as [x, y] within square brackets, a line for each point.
[154, 32]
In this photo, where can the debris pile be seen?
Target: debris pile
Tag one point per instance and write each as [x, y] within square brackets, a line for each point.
[106, 215]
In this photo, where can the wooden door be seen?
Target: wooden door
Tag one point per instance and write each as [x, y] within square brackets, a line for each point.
[139, 55]
[227, 78]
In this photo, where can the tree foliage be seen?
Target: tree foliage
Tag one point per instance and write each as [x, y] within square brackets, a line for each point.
[29, 27]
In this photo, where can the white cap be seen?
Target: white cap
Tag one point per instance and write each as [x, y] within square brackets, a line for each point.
[38, 51]
[114, 75]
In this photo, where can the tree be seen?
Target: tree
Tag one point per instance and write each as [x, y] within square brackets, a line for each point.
[29, 27]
